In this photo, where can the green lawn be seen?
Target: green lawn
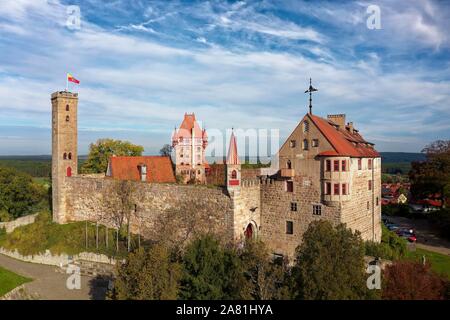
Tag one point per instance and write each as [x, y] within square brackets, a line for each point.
[68, 238]
[439, 262]
[9, 280]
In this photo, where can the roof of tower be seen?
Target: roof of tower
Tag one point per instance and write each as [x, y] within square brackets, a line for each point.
[159, 168]
[189, 123]
[233, 157]
[345, 140]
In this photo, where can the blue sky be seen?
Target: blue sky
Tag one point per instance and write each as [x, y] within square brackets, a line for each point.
[246, 64]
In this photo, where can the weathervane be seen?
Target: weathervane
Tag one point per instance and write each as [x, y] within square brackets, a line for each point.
[311, 89]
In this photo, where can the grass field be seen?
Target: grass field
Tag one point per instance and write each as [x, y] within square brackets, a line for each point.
[9, 280]
[68, 238]
[439, 262]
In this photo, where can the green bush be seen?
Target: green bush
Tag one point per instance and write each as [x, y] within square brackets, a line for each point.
[392, 247]
[400, 209]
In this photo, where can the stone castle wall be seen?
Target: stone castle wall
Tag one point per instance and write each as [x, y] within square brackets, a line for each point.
[247, 207]
[276, 211]
[159, 211]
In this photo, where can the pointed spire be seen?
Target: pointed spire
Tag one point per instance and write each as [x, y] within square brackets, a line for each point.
[233, 157]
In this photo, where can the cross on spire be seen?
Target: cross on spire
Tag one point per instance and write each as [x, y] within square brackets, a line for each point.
[311, 89]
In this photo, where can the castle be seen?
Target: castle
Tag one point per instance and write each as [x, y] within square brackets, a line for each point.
[326, 170]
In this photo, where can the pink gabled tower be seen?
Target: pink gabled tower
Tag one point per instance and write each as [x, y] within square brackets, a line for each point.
[190, 142]
[233, 166]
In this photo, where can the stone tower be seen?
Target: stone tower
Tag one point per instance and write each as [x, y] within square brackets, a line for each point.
[233, 166]
[64, 147]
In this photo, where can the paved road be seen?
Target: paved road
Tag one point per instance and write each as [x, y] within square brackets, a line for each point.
[427, 237]
[50, 284]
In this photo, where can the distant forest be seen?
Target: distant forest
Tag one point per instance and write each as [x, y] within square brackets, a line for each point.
[40, 166]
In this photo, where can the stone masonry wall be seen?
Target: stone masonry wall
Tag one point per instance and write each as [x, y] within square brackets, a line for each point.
[247, 207]
[162, 211]
[276, 211]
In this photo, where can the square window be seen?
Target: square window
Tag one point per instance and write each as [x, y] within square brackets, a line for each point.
[317, 210]
[328, 188]
[290, 186]
[293, 206]
[315, 142]
[336, 188]
[344, 189]
[289, 227]
[344, 165]
[336, 165]
[359, 164]
[328, 165]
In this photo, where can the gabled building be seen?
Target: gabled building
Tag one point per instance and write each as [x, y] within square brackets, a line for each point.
[189, 143]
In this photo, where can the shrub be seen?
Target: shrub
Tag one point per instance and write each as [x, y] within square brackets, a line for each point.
[392, 247]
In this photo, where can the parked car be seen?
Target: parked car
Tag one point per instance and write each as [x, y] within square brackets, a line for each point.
[392, 227]
[411, 237]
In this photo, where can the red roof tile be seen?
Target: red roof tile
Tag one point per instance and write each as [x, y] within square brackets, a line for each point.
[159, 169]
[344, 142]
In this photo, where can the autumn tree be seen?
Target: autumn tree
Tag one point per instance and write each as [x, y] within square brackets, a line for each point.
[409, 280]
[166, 150]
[265, 278]
[150, 274]
[432, 176]
[103, 149]
[330, 264]
[210, 271]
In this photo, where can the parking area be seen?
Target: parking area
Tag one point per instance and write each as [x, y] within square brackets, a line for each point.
[427, 237]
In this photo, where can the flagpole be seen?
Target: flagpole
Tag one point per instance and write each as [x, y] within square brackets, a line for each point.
[67, 83]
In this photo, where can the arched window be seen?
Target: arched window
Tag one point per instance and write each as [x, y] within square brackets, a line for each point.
[70, 155]
[67, 107]
[69, 172]
[67, 118]
[65, 156]
[289, 164]
[233, 174]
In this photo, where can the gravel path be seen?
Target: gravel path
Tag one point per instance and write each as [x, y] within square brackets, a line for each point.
[49, 283]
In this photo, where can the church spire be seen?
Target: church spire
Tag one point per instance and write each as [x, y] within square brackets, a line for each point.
[311, 89]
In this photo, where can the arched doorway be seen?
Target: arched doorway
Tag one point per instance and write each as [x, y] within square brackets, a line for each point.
[250, 231]
[69, 171]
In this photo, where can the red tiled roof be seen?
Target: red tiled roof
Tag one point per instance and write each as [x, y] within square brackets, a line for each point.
[187, 125]
[344, 142]
[233, 157]
[159, 169]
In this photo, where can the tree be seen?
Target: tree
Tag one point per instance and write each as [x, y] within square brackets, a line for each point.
[166, 150]
[432, 176]
[103, 149]
[210, 271]
[19, 195]
[409, 280]
[330, 264]
[150, 274]
[265, 277]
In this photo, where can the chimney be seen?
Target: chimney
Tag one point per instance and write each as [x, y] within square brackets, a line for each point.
[338, 119]
[350, 127]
